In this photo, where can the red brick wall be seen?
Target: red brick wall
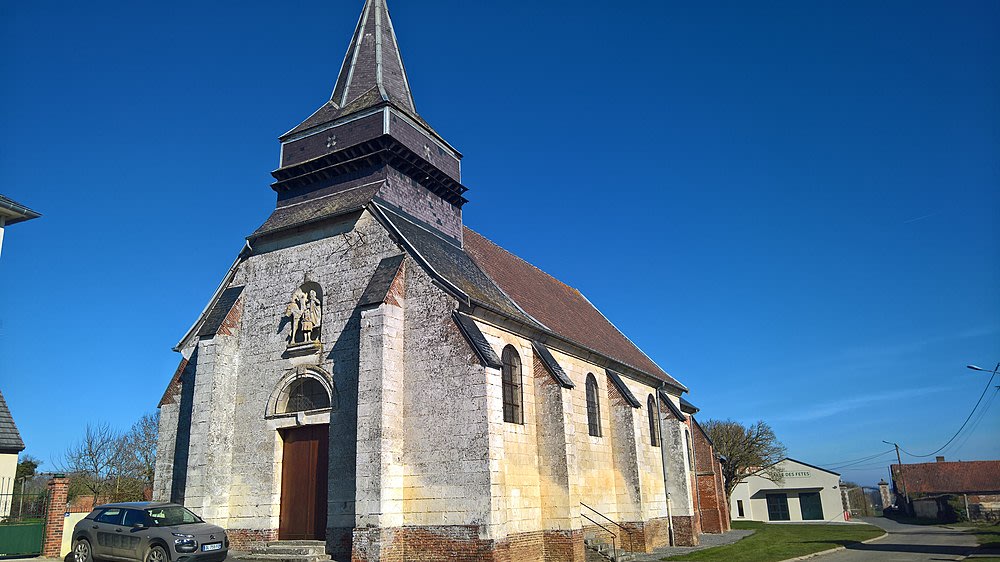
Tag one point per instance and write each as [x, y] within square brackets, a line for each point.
[647, 535]
[245, 539]
[684, 531]
[54, 519]
[714, 510]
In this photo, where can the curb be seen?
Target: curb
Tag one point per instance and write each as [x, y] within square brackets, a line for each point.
[835, 549]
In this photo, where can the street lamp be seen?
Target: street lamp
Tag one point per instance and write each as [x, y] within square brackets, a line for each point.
[975, 368]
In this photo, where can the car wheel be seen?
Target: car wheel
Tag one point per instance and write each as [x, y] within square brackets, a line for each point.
[82, 551]
[156, 554]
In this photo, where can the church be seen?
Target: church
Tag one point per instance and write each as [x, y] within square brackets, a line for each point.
[373, 375]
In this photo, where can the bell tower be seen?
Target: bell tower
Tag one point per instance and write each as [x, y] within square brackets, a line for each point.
[369, 143]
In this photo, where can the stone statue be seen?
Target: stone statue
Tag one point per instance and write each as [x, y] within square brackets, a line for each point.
[306, 313]
[312, 315]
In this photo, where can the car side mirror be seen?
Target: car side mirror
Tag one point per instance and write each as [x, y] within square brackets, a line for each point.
[139, 526]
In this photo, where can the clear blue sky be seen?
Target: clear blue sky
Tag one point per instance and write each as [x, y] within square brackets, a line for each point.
[793, 207]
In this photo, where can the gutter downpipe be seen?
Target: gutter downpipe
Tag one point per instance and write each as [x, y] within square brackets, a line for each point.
[663, 461]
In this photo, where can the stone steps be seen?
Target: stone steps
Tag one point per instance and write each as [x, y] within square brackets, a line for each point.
[289, 551]
[606, 552]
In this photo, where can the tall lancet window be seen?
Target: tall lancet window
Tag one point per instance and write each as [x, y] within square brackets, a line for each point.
[651, 411]
[512, 393]
[593, 407]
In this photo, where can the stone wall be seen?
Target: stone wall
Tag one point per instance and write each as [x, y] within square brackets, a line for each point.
[422, 464]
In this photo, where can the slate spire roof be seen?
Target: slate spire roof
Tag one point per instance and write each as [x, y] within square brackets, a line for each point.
[373, 61]
[372, 73]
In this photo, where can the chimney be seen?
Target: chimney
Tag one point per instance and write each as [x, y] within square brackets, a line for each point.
[939, 459]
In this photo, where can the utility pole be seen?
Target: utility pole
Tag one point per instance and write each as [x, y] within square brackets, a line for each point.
[902, 479]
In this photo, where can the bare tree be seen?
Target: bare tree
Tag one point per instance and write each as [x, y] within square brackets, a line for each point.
[94, 461]
[140, 448]
[751, 450]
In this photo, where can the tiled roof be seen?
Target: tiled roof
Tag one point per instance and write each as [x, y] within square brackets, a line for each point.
[15, 212]
[559, 307]
[220, 310]
[471, 331]
[552, 365]
[451, 262]
[950, 477]
[312, 210]
[10, 438]
[503, 282]
[381, 281]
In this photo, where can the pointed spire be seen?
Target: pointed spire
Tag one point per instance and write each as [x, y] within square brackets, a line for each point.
[373, 64]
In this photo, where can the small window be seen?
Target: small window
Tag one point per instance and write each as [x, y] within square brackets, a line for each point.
[651, 411]
[512, 392]
[303, 395]
[739, 508]
[593, 407]
[687, 434]
[111, 516]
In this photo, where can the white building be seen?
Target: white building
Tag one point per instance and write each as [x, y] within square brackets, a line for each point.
[806, 493]
[12, 212]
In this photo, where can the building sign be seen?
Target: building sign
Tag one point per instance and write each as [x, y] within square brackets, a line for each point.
[796, 474]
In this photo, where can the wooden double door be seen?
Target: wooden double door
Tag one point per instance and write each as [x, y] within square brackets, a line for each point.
[304, 483]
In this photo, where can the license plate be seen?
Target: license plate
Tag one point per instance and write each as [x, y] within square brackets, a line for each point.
[213, 546]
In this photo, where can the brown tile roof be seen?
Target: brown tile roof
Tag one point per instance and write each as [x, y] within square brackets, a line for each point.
[950, 477]
[559, 307]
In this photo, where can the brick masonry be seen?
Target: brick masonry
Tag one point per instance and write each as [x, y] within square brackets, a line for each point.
[54, 518]
[243, 540]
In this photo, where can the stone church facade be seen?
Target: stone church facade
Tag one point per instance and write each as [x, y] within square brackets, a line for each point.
[373, 374]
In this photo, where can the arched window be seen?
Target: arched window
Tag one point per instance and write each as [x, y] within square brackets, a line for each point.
[593, 407]
[651, 410]
[303, 394]
[512, 411]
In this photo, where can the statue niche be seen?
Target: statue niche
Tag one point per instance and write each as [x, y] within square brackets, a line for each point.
[305, 314]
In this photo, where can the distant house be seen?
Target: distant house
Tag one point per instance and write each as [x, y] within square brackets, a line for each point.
[10, 445]
[806, 493]
[976, 482]
[12, 212]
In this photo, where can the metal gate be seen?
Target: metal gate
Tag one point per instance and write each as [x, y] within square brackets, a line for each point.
[22, 524]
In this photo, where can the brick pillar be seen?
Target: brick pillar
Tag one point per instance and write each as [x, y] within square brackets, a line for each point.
[55, 518]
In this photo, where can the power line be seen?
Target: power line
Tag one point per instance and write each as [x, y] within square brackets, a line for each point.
[859, 461]
[957, 446]
[978, 402]
[844, 463]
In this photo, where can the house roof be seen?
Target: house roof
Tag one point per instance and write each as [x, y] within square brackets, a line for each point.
[14, 212]
[950, 477]
[10, 438]
[559, 307]
[809, 465]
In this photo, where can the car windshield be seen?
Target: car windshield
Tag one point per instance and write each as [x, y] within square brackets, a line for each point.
[171, 515]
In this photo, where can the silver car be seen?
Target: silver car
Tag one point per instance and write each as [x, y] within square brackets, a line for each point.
[147, 532]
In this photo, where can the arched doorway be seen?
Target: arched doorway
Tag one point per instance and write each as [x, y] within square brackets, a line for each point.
[304, 398]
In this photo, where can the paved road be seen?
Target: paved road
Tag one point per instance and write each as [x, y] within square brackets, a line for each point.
[909, 543]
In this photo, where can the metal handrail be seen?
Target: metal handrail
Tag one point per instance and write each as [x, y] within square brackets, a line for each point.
[624, 531]
[614, 549]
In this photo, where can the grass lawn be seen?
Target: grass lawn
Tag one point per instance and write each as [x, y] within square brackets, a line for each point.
[773, 542]
[988, 535]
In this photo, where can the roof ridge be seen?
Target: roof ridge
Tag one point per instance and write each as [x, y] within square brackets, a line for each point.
[528, 263]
